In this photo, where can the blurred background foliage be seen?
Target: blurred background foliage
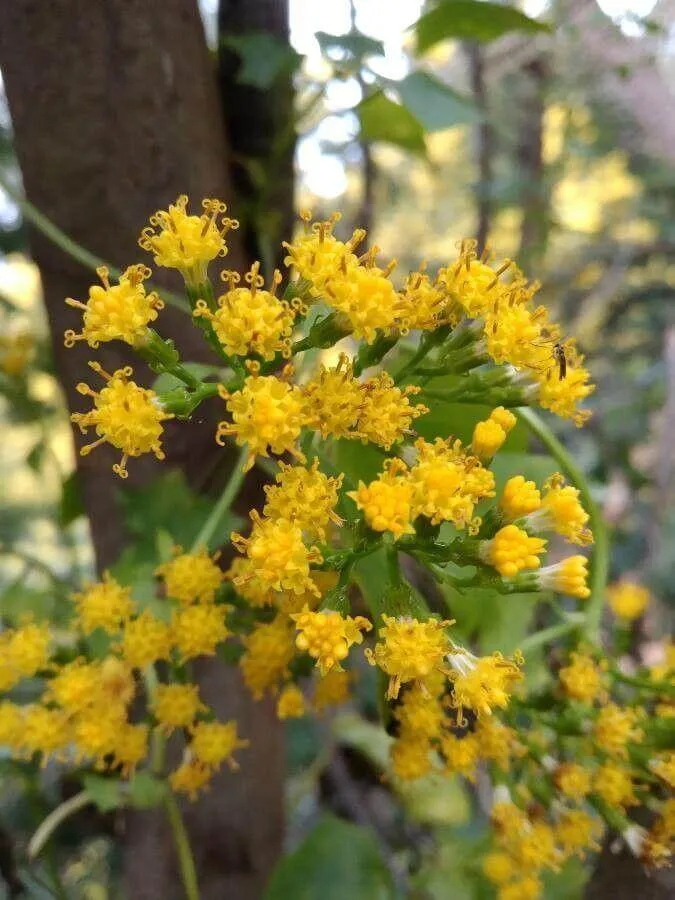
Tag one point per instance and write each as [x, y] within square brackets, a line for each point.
[550, 137]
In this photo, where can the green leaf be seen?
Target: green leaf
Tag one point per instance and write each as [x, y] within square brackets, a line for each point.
[166, 382]
[105, 793]
[264, 58]
[472, 20]
[435, 105]
[337, 860]
[353, 44]
[71, 506]
[383, 120]
[146, 790]
[497, 621]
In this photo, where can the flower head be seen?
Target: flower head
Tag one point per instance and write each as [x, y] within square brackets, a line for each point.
[367, 299]
[613, 783]
[176, 705]
[569, 576]
[582, 679]
[387, 502]
[616, 727]
[519, 498]
[250, 319]
[327, 636]
[410, 758]
[470, 282]
[145, 640]
[304, 496]
[197, 630]
[425, 305]
[213, 743]
[267, 414]
[333, 399]
[331, 689]
[511, 550]
[119, 312]
[561, 511]
[318, 257]
[191, 577]
[578, 832]
[484, 683]
[461, 754]
[490, 434]
[280, 560]
[188, 242]
[191, 777]
[291, 703]
[269, 649]
[627, 600]
[104, 605]
[573, 781]
[386, 411]
[125, 415]
[409, 650]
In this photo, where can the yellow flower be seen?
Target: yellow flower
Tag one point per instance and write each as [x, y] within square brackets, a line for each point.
[327, 636]
[197, 630]
[333, 399]
[386, 412]
[616, 727]
[627, 600]
[569, 576]
[535, 847]
[304, 496]
[527, 887]
[125, 415]
[176, 705]
[251, 320]
[519, 498]
[280, 560]
[419, 713]
[498, 742]
[425, 305]
[409, 650]
[131, 747]
[213, 743]
[519, 335]
[664, 767]
[563, 395]
[96, 733]
[192, 577]
[119, 312]
[410, 758]
[24, 651]
[511, 550]
[11, 724]
[318, 257]
[16, 352]
[75, 686]
[267, 415]
[188, 243]
[447, 483]
[366, 297]
[613, 784]
[331, 689]
[499, 867]
[269, 649]
[104, 605]
[482, 683]
[145, 640]
[577, 832]
[387, 502]
[461, 755]
[190, 778]
[471, 282]
[489, 435]
[561, 511]
[45, 731]
[582, 679]
[291, 703]
[573, 780]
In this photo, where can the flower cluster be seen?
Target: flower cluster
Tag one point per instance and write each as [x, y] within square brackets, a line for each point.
[359, 474]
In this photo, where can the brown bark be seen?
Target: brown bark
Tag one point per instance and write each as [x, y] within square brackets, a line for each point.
[534, 228]
[484, 145]
[115, 112]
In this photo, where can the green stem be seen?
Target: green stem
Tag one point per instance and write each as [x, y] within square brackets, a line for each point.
[224, 502]
[659, 687]
[76, 251]
[600, 553]
[546, 635]
[51, 822]
[182, 842]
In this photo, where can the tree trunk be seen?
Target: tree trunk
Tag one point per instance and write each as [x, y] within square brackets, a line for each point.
[115, 112]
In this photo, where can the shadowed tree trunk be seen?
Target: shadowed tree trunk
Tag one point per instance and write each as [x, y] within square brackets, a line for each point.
[116, 111]
[484, 144]
[534, 194]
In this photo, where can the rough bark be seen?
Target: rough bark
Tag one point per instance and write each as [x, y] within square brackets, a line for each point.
[116, 111]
